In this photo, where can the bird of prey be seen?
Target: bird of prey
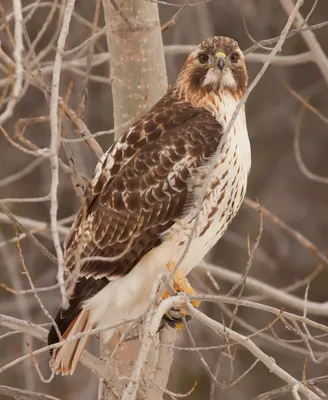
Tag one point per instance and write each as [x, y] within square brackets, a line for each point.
[147, 190]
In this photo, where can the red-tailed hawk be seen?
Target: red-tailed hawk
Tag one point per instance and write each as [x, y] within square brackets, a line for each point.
[141, 203]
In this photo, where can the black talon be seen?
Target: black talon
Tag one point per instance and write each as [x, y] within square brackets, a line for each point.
[174, 318]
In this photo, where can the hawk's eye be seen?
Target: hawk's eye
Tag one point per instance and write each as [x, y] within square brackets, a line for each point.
[203, 58]
[234, 58]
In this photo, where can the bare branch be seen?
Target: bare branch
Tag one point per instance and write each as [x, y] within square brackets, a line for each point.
[303, 168]
[318, 54]
[22, 173]
[269, 362]
[289, 231]
[313, 307]
[28, 233]
[54, 146]
[18, 52]
[285, 60]
[20, 394]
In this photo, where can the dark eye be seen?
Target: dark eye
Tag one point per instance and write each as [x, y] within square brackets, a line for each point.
[234, 58]
[203, 58]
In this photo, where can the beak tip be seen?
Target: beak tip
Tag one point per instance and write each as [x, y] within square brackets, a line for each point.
[220, 64]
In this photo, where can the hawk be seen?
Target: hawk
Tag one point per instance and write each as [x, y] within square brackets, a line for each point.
[141, 204]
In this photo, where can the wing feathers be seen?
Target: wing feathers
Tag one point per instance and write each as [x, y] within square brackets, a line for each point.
[152, 187]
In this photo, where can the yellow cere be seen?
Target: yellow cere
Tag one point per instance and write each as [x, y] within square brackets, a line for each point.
[220, 54]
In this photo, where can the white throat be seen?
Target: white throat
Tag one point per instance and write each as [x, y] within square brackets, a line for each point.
[225, 78]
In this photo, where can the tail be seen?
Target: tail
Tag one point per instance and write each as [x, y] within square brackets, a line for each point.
[66, 357]
[76, 319]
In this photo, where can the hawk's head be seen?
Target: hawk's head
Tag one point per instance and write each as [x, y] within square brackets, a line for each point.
[216, 65]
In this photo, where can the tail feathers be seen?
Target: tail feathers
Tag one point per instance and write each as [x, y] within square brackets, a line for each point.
[66, 357]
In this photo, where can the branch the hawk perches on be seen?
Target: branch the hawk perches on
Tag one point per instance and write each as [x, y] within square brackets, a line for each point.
[141, 204]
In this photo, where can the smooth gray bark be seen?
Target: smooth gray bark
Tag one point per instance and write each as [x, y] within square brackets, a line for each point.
[137, 64]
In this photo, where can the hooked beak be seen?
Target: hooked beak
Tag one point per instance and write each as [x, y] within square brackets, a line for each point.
[220, 59]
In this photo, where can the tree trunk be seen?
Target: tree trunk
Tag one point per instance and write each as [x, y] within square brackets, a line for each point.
[138, 74]
[137, 64]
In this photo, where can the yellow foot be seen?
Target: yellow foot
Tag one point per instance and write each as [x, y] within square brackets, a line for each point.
[181, 283]
[174, 317]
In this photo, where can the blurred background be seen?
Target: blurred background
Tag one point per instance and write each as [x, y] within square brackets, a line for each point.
[275, 179]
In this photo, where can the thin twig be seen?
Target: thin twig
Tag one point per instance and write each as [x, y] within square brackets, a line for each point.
[20, 394]
[15, 222]
[289, 231]
[173, 20]
[42, 306]
[54, 146]
[292, 33]
[310, 39]
[313, 307]
[269, 362]
[298, 155]
[18, 52]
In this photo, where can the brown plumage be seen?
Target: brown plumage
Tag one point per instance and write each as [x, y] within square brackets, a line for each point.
[150, 179]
